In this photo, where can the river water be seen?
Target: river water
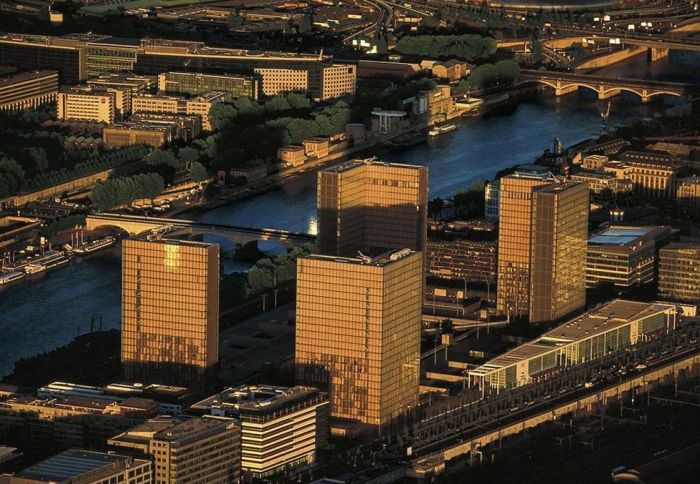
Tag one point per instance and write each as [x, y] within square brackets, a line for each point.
[40, 315]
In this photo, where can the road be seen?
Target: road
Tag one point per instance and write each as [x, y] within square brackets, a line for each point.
[386, 15]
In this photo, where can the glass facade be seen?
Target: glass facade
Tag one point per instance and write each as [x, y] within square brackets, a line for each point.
[194, 83]
[170, 311]
[679, 272]
[559, 239]
[103, 59]
[358, 332]
[364, 205]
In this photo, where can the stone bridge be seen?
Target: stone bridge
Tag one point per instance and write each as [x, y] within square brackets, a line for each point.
[565, 83]
[133, 225]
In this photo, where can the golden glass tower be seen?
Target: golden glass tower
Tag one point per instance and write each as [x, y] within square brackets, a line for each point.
[358, 332]
[372, 206]
[543, 229]
[170, 311]
[559, 241]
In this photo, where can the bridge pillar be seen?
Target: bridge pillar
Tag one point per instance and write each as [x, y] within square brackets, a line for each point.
[656, 53]
[607, 94]
[645, 96]
[560, 89]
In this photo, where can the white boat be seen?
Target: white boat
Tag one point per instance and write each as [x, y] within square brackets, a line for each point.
[31, 269]
[95, 245]
[10, 277]
[437, 130]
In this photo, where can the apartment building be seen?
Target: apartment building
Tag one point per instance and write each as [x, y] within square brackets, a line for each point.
[337, 81]
[200, 450]
[28, 90]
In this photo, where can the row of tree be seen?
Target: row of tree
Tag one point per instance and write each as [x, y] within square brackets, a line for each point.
[503, 72]
[268, 273]
[117, 192]
[468, 46]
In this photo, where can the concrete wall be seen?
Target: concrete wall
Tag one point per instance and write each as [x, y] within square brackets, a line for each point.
[597, 62]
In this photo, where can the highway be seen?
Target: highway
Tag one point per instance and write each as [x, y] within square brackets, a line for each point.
[386, 15]
[546, 407]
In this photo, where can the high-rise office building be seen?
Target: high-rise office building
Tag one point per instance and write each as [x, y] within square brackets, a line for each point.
[170, 311]
[679, 272]
[541, 247]
[372, 206]
[515, 240]
[358, 330]
[560, 233]
[200, 450]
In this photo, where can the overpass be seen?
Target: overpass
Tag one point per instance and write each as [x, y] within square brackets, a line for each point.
[134, 224]
[565, 82]
[472, 441]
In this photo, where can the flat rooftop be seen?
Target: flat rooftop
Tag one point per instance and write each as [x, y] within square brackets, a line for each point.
[621, 236]
[175, 429]
[10, 79]
[600, 320]
[357, 163]
[379, 261]
[256, 398]
[69, 464]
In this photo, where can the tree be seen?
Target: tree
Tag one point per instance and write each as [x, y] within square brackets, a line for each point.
[298, 101]
[277, 104]
[188, 155]
[260, 276]
[198, 172]
[162, 157]
[537, 55]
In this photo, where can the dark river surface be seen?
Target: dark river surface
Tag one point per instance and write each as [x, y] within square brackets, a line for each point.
[40, 315]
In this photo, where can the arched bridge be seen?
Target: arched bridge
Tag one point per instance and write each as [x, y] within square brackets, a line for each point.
[134, 224]
[566, 82]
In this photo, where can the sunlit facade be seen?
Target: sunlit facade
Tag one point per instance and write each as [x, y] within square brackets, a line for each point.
[559, 238]
[515, 241]
[170, 311]
[358, 325]
[372, 206]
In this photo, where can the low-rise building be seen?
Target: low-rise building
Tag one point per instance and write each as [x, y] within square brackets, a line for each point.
[338, 80]
[87, 104]
[27, 90]
[279, 80]
[679, 273]
[251, 172]
[291, 155]
[604, 188]
[594, 162]
[200, 105]
[688, 198]
[125, 85]
[281, 428]
[63, 423]
[356, 133]
[200, 449]
[452, 70]
[77, 466]
[317, 147]
[624, 256]
[196, 83]
[186, 127]
[464, 251]
[124, 134]
[610, 327]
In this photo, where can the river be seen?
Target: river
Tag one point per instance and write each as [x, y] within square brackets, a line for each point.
[40, 315]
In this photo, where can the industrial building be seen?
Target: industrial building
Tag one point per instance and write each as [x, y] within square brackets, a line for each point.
[608, 328]
[281, 428]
